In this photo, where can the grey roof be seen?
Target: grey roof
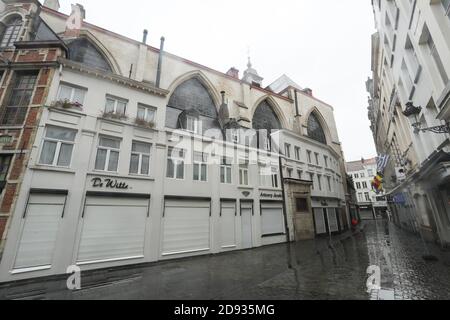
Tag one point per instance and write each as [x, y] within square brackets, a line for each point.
[354, 166]
[282, 83]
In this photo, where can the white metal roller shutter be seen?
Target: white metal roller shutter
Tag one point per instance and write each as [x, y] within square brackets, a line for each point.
[228, 224]
[366, 214]
[333, 224]
[113, 229]
[186, 226]
[319, 219]
[272, 218]
[37, 244]
[246, 220]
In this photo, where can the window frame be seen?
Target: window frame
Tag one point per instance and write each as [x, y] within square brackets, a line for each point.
[16, 29]
[244, 177]
[177, 161]
[116, 101]
[73, 88]
[59, 144]
[200, 165]
[146, 108]
[108, 154]
[5, 170]
[226, 167]
[141, 156]
[297, 151]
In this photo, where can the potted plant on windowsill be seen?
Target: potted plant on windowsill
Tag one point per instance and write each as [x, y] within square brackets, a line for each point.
[114, 116]
[144, 123]
[67, 104]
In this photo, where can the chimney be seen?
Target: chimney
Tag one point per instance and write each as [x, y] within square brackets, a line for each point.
[158, 72]
[75, 21]
[52, 4]
[144, 39]
[233, 72]
[308, 91]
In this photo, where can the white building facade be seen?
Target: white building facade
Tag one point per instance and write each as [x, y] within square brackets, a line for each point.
[371, 204]
[142, 156]
[409, 96]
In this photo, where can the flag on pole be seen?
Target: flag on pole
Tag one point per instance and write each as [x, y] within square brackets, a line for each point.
[382, 162]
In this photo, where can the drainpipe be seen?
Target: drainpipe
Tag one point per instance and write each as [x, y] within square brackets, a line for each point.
[158, 73]
[296, 104]
[286, 224]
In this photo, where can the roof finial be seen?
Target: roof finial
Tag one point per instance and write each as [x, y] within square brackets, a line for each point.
[249, 64]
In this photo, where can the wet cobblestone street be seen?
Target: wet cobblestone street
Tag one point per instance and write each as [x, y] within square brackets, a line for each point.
[317, 269]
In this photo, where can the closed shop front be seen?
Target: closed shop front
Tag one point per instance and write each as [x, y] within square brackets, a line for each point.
[186, 226]
[41, 221]
[320, 221]
[247, 225]
[366, 213]
[228, 215]
[333, 223]
[113, 227]
[272, 219]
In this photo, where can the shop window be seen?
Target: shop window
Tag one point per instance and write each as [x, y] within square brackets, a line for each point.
[140, 158]
[175, 164]
[58, 147]
[108, 154]
[20, 96]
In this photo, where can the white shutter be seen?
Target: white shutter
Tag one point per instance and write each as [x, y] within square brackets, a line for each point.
[332, 220]
[186, 226]
[37, 244]
[272, 218]
[320, 221]
[113, 229]
[228, 224]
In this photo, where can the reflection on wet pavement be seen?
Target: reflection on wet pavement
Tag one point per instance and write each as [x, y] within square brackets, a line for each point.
[317, 269]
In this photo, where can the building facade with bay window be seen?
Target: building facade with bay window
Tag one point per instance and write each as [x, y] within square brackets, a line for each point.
[409, 110]
[142, 156]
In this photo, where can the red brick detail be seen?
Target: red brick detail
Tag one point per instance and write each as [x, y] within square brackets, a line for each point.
[32, 117]
[17, 167]
[26, 139]
[8, 199]
[43, 79]
[51, 55]
[31, 56]
[39, 96]
[3, 221]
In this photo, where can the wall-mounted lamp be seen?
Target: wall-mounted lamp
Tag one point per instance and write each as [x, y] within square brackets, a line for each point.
[412, 113]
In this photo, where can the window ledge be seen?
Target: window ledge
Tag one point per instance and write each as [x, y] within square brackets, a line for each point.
[53, 169]
[245, 188]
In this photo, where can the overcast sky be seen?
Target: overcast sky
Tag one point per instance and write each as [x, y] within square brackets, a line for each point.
[320, 44]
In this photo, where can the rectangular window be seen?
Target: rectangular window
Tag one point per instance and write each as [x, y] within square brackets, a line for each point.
[446, 5]
[325, 159]
[287, 150]
[329, 184]
[5, 163]
[193, 124]
[366, 194]
[290, 172]
[317, 158]
[297, 154]
[108, 151]
[19, 99]
[146, 113]
[319, 179]
[243, 175]
[200, 167]
[300, 174]
[370, 172]
[364, 184]
[225, 171]
[311, 178]
[58, 147]
[363, 175]
[140, 158]
[358, 185]
[309, 156]
[115, 105]
[71, 93]
[175, 164]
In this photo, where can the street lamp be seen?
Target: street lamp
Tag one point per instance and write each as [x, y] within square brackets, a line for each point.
[412, 113]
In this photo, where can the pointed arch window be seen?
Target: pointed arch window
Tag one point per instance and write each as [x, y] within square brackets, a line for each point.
[83, 51]
[315, 130]
[11, 32]
[265, 119]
